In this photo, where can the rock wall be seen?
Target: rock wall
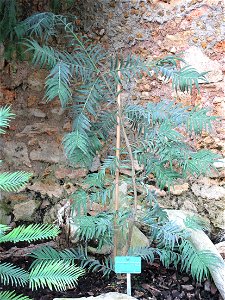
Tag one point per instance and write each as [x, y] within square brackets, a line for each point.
[193, 28]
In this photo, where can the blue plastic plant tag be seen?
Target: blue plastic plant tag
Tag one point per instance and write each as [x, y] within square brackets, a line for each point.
[128, 264]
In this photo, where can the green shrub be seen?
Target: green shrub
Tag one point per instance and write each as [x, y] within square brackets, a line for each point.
[89, 80]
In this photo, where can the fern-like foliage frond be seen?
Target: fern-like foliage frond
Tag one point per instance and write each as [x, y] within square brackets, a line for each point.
[5, 117]
[186, 77]
[11, 274]
[170, 60]
[201, 162]
[42, 55]
[11, 295]
[89, 96]
[56, 275]
[165, 176]
[111, 163]
[58, 83]
[197, 262]
[76, 146]
[101, 196]
[105, 124]
[129, 67]
[80, 200]
[94, 227]
[39, 25]
[182, 79]
[94, 265]
[69, 256]
[199, 120]
[32, 232]
[196, 222]
[169, 234]
[146, 253]
[48, 253]
[11, 182]
[3, 229]
[168, 257]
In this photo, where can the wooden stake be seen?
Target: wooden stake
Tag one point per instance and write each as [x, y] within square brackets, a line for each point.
[132, 220]
[118, 129]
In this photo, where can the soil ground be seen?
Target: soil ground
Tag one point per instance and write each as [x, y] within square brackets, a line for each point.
[154, 283]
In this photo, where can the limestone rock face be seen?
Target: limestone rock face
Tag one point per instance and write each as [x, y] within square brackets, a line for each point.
[178, 189]
[25, 210]
[37, 113]
[36, 80]
[209, 192]
[48, 152]
[4, 217]
[51, 215]
[195, 57]
[221, 248]
[51, 190]
[108, 296]
[38, 128]
[17, 152]
[220, 220]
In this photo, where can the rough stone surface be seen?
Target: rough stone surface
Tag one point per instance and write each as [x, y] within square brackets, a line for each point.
[95, 164]
[38, 128]
[25, 210]
[17, 153]
[108, 296]
[51, 214]
[178, 189]
[195, 57]
[221, 248]
[5, 218]
[189, 206]
[49, 152]
[70, 173]
[219, 221]
[36, 81]
[37, 113]
[209, 192]
[50, 189]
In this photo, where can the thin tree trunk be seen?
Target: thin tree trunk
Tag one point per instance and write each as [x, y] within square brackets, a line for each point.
[118, 138]
[134, 212]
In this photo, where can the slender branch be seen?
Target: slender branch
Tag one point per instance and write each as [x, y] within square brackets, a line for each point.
[118, 137]
[68, 28]
[134, 188]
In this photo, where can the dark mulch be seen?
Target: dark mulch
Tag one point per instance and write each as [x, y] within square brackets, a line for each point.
[155, 283]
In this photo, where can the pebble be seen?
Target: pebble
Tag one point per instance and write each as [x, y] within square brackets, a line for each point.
[187, 287]
[185, 279]
[37, 113]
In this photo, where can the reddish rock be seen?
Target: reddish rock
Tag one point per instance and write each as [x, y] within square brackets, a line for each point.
[197, 13]
[51, 190]
[179, 189]
[70, 173]
[38, 128]
[220, 47]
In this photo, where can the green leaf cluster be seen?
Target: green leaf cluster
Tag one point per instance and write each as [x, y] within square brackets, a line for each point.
[85, 78]
[94, 74]
[10, 181]
[54, 274]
